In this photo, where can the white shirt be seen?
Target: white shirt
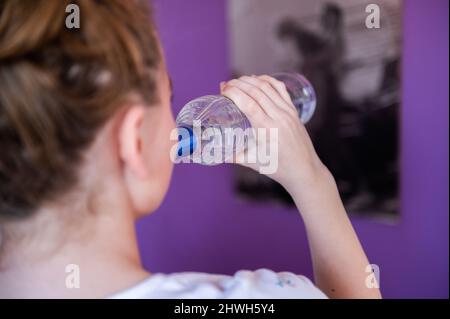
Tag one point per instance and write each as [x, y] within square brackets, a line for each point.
[244, 284]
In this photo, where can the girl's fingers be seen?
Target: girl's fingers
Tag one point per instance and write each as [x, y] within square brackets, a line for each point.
[258, 95]
[280, 87]
[248, 106]
[269, 89]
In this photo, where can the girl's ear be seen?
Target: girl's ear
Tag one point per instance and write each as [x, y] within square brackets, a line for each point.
[130, 142]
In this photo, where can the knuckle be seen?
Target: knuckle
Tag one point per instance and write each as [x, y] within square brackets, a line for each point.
[252, 107]
[293, 120]
[285, 118]
[265, 86]
[264, 78]
[294, 113]
[227, 89]
[245, 78]
[254, 91]
[281, 85]
[231, 92]
[275, 82]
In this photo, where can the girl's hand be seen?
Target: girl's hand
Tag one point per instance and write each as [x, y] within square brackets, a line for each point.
[266, 103]
[339, 261]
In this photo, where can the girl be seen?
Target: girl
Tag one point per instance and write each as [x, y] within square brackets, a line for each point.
[81, 113]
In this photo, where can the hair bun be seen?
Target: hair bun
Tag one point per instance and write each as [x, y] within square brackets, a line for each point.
[54, 89]
[24, 29]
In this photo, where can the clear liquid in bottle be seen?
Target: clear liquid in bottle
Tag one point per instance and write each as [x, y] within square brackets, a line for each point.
[218, 114]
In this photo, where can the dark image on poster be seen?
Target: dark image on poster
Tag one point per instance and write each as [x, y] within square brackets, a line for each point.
[355, 71]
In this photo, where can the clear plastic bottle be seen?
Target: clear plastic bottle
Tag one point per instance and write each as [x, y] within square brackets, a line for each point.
[220, 113]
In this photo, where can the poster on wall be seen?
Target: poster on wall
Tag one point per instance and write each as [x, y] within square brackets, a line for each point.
[350, 50]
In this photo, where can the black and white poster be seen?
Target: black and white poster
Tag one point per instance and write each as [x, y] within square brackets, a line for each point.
[350, 50]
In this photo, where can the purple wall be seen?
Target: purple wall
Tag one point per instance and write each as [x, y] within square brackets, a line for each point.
[201, 226]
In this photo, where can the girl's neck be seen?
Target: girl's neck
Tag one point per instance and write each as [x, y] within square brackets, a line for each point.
[89, 259]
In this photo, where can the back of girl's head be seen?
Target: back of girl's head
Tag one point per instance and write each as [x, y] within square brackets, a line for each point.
[58, 86]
